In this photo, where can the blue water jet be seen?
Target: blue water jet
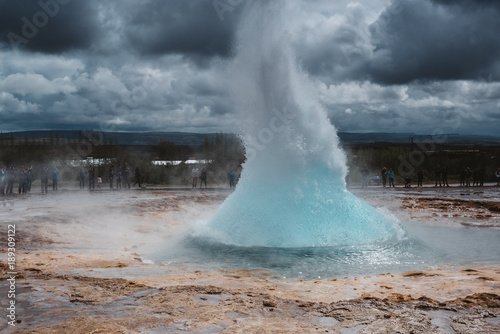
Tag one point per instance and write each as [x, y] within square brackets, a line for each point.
[292, 189]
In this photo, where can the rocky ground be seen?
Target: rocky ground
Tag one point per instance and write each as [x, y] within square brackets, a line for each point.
[80, 269]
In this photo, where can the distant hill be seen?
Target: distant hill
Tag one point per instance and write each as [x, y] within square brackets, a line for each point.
[351, 138]
[197, 139]
[120, 138]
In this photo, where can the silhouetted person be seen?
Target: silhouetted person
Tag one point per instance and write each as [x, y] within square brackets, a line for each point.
[203, 177]
[462, 177]
[29, 178]
[137, 177]
[437, 174]
[475, 177]
[390, 176]
[231, 177]
[22, 180]
[55, 177]
[111, 175]
[44, 179]
[481, 177]
[468, 175]
[81, 178]
[420, 177]
[384, 176]
[91, 177]
[118, 176]
[194, 175]
[364, 177]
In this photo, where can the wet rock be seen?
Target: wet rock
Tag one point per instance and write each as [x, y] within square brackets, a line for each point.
[268, 303]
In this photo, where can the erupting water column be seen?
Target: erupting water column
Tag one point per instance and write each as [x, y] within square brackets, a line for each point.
[292, 189]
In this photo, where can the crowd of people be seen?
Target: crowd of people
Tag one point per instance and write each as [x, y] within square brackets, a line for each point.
[468, 177]
[87, 178]
[201, 175]
[118, 177]
[24, 178]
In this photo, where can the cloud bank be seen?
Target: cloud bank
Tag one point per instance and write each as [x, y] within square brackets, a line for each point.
[380, 65]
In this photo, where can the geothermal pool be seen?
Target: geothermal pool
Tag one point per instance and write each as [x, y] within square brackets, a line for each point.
[419, 246]
[157, 226]
[426, 247]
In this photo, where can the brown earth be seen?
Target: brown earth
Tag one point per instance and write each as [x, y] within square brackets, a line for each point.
[79, 272]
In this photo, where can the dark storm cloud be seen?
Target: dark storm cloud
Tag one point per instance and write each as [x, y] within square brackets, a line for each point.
[48, 26]
[192, 28]
[436, 40]
[474, 4]
[119, 65]
[180, 26]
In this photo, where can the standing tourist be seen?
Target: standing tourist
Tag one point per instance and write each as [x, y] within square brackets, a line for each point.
[420, 177]
[468, 175]
[118, 176]
[91, 177]
[462, 177]
[497, 174]
[44, 178]
[194, 175]
[364, 177]
[137, 177]
[384, 176]
[29, 178]
[55, 177]
[22, 178]
[437, 174]
[481, 177]
[475, 177]
[81, 178]
[390, 175]
[203, 177]
[111, 175]
[231, 178]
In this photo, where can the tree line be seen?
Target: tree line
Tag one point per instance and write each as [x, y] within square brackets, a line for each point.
[226, 151]
[94, 148]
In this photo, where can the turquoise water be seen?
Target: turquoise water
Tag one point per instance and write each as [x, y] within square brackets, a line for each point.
[307, 211]
[422, 247]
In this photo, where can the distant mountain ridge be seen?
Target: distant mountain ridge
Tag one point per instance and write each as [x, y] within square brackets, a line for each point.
[197, 139]
[120, 138]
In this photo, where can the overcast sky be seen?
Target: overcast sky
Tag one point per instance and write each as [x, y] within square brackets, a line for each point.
[160, 65]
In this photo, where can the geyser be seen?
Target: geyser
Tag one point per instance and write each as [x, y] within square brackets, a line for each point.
[292, 189]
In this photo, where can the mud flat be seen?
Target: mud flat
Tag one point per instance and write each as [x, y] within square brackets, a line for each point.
[82, 267]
